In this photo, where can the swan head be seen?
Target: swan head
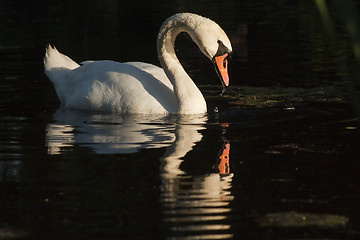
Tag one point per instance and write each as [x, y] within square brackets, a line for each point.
[208, 36]
[213, 43]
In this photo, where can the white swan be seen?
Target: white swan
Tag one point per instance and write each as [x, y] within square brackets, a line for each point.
[137, 87]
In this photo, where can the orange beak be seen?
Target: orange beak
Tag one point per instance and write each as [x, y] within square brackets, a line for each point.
[221, 66]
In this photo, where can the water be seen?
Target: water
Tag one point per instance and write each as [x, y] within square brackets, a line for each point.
[276, 157]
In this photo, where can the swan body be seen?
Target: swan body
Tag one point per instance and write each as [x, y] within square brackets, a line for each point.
[136, 87]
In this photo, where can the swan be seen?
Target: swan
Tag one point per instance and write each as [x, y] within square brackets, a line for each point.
[137, 87]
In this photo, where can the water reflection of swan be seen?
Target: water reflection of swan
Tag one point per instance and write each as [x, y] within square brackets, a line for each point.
[185, 199]
[190, 202]
[138, 87]
[109, 133]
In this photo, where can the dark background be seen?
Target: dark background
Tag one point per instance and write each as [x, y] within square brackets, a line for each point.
[288, 116]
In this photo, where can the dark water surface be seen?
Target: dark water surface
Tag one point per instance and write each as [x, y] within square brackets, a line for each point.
[277, 157]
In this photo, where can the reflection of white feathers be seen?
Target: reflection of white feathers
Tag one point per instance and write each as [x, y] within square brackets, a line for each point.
[108, 133]
[185, 198]
[59, 136]
[188, 199]
[186, 136]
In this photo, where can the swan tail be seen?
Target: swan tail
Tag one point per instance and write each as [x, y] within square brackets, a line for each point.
[54, 59]
[57, 68]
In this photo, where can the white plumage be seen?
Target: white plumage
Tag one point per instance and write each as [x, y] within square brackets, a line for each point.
[136, 87]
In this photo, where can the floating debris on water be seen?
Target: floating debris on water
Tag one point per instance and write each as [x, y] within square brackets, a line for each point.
[282, 97]
[298, 220]
[13, 233]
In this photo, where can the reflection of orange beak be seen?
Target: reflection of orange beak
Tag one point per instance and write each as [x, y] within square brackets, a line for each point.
[221, 66]
[224, 166]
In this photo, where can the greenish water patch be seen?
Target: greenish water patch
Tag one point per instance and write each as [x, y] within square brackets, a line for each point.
[282, 97]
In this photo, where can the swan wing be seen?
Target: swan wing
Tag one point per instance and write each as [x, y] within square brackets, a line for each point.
[115, 87]
[155, 71]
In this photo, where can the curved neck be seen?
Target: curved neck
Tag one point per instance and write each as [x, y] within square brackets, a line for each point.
[189, 97]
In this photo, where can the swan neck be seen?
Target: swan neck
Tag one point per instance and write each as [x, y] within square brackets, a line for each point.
[189, 96]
